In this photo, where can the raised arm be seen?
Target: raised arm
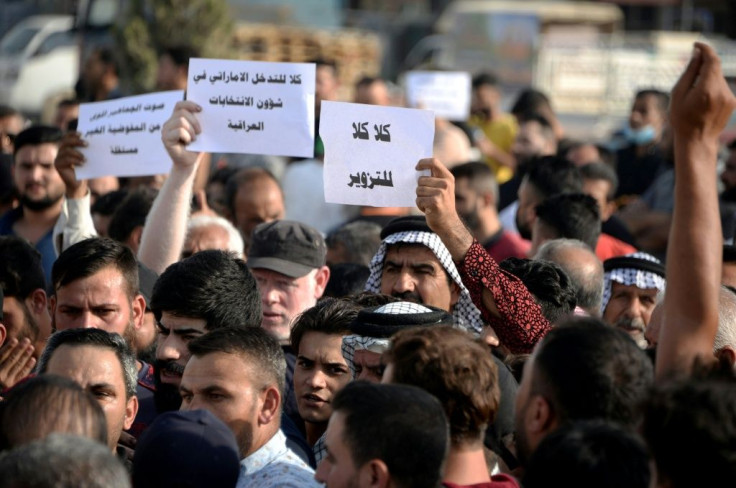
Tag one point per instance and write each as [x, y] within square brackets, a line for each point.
[504, 301]
[75, 222]
[165, 230]
[701, 105]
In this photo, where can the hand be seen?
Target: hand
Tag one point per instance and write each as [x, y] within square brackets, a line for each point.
[436, 196]
[16, 362]
[67, 159]
[181, 129]
[701, 101]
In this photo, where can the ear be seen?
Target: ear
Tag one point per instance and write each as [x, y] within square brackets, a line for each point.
[321, 279]
[270, 409]
[727, 353]
[131, 410]
[539, 418]
[608, 210]
[374, 473]
[454, 293]
[3, 334]
[134, 240]
[139, 309]
[38, 301]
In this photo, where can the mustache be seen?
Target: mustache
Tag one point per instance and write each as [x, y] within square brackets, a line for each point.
[170, 367]
[631, 324]
[409, 296]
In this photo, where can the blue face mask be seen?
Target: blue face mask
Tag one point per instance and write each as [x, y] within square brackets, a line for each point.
[640, 137]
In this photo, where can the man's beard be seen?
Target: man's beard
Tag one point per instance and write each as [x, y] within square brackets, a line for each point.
[471, 219]
[524, 230]
[40, 204]
[166, 397]
[635, 328]
[148, 354]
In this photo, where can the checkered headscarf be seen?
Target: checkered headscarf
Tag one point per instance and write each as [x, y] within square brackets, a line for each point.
[648, 273]
[465, 312]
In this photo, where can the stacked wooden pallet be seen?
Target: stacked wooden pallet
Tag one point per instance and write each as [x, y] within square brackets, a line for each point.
[355, 53]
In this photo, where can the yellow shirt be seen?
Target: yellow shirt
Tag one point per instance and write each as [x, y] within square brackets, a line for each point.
[502, 133]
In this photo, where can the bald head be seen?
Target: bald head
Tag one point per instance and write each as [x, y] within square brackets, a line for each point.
[582, 266]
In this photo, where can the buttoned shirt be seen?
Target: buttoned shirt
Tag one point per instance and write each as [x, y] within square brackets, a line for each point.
[274, 465]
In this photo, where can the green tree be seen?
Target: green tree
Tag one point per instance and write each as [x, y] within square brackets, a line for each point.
[153, 25]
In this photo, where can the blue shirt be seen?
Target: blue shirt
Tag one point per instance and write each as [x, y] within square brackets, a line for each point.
[274, 465]
[45, 246]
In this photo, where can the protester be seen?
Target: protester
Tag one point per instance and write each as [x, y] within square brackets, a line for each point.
[49, 404]
[12, 123]
[62, 461]
[498, 129]
[188, 448]
[460, 373]
[476, 197]
[583, 268]
[238, 375]
[630, 287]
[354, 242]
[40, 191]
[320, 370]
[374, 438]
[104, 365]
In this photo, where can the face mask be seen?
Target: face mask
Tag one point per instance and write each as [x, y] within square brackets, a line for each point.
[640, 137]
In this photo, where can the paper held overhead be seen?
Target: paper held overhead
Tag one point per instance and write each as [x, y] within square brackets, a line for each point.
[253, 106]
[124, 135]
[371, 152]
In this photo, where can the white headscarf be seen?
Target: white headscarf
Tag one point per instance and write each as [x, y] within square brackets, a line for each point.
[631, 276]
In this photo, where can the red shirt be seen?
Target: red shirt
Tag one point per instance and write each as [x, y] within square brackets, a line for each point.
[505, 244]
[610, 247]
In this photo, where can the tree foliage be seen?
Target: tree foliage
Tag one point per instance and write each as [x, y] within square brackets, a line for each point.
[152, 26]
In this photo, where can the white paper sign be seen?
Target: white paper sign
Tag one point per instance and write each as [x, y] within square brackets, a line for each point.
[253, 107]
[446, 93]
[371, 153]
[124, 135]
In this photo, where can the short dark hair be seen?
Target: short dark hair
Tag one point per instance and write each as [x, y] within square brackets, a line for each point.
[402, 425]
[44, 404]
[550, 175]
[90, 256]
[589, 453]
[346, 279]
[453, 367]
[552, 288]
[181, 54]
[589, 370]
[62, 460]
[703, 411]
[325, 63]
[21, 271]
[68, 102]
[108, 57]
[253, 344]
[479, 175]
[212, 285]
[97, 338]
[662, 98]
[572, 216]
[37, 135]
[530, 100]
[8, 111]
[131, 213]
[360, 239]
[109, 202]
[367, 81]
[601, 172]
[484, 79]
[331, 316]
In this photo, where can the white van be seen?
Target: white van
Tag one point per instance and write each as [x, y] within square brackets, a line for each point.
[39, 59]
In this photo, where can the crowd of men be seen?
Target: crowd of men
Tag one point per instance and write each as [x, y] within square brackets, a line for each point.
[553, 312]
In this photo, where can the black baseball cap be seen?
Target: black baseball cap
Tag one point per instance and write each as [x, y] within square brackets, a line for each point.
[287, 247]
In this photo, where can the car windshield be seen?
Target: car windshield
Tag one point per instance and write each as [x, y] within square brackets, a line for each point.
[16, 40]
